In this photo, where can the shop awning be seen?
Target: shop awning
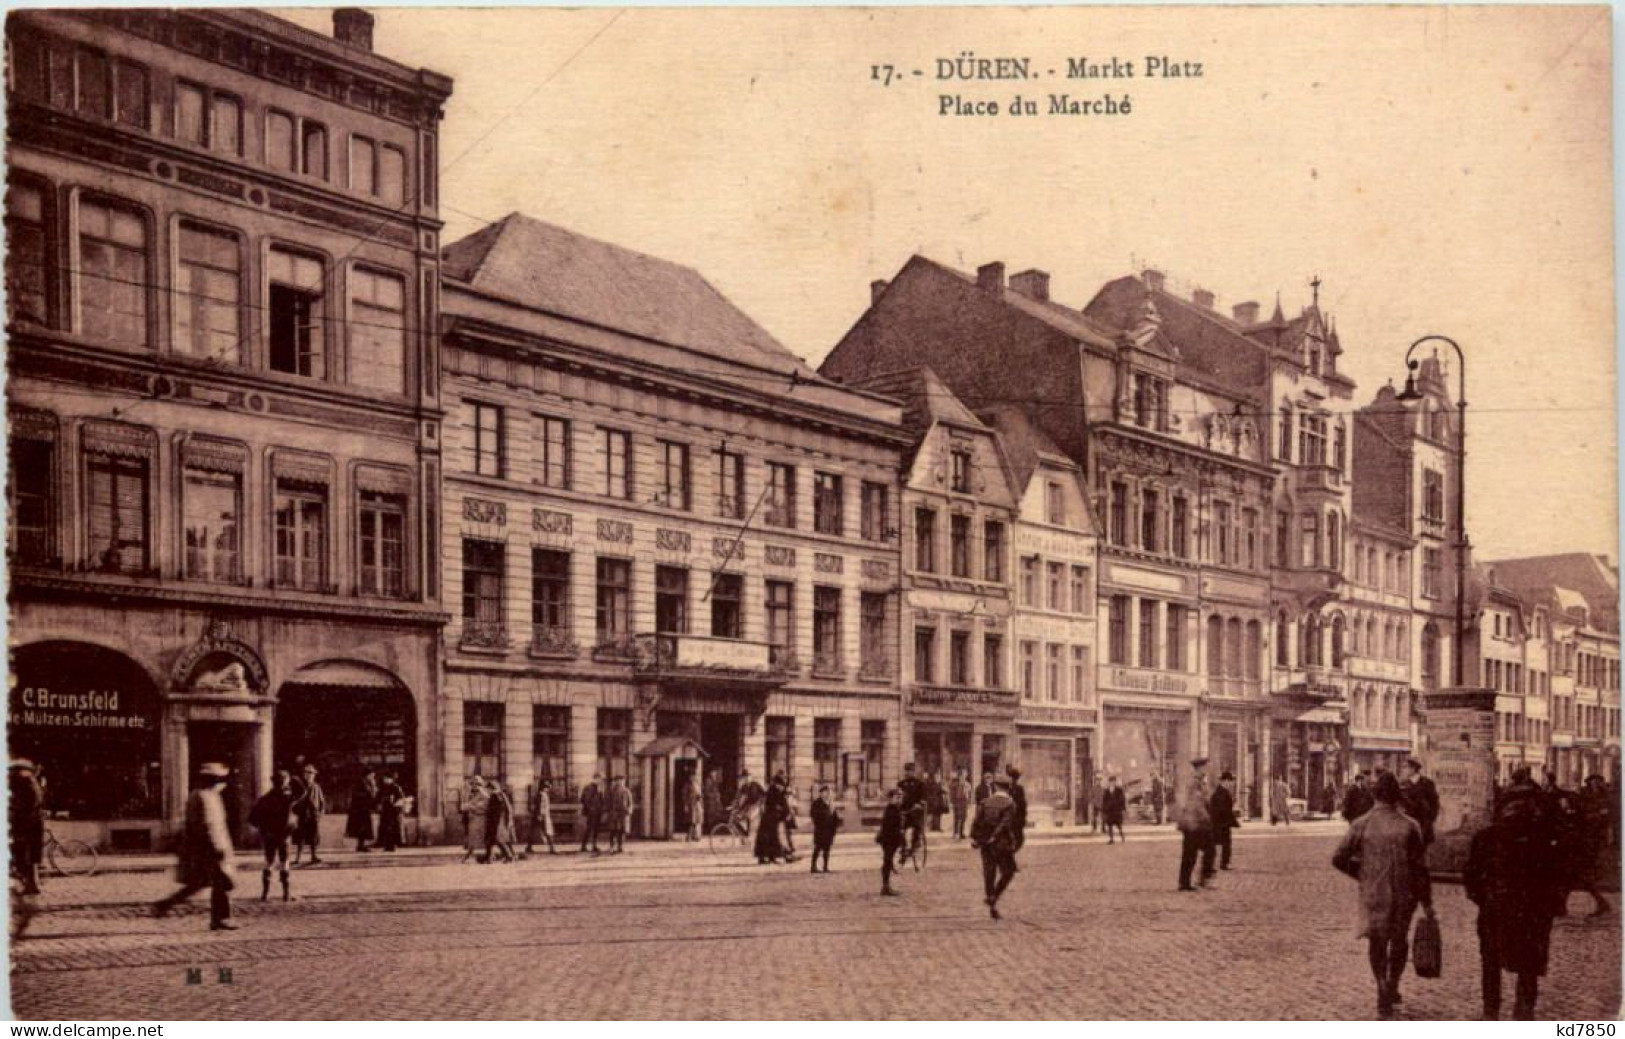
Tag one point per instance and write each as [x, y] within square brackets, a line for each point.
[346, 676]
[672, 746]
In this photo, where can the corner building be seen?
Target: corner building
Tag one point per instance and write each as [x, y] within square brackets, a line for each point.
[223, 410]
[669, 545]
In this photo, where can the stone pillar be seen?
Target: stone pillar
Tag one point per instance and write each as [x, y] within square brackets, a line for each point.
[1460, 728]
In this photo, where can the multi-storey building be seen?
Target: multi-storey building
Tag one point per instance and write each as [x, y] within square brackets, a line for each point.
[1054, 623]
[958, 510]
[669, 545]
[1162, 406]
[1499, 636]
[223, 408]
[1377, 601]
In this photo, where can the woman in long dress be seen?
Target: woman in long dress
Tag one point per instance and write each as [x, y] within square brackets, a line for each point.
[475, 799]
[358, 823]
[498, 823]
[775, 808]
[541, 818]
[390, 814]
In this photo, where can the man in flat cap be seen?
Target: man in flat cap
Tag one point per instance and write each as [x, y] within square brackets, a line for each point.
[206, 850]
[1195, 828]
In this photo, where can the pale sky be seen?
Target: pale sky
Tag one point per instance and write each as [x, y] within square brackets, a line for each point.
[1442, 170]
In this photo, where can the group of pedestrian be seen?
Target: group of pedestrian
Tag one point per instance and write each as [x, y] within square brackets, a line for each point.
[1205, 818]
[605, 808]
[998, 831]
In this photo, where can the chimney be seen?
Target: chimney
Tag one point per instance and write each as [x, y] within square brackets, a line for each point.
[990, 277]
[1245, 313]
[876, 287]
[353, 27]
[1202, 298]
[1033, 284]
[1153, 278]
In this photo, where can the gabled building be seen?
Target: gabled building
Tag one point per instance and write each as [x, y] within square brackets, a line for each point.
[958, 511]
[1375, 600]
[224, 410]
[671, 547]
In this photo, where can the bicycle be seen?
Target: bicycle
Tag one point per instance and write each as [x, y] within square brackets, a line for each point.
[727, 835]
[69, 858]
[916, 851]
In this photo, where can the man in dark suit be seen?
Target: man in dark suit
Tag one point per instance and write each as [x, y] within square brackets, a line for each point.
[1358, 800]
[1113, 806]
[592, 812]
[890, 837]
[1419, 798]
[995, 836]
[825, 822]
[1018, 794]
[1222, 808]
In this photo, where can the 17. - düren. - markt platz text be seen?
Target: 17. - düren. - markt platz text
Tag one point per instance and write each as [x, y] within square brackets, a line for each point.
[969, 67]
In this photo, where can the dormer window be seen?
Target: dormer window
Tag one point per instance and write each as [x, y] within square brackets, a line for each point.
[1150, 401]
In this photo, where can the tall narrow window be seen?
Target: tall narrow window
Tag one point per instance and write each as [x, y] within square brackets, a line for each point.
[614, 609]
[1215, 646]
[130, 95]
[872, 733]
[32, 478]
[484, 571]
[1117, 629]
[119, 514]
[671, 600]
[826, 629]
[781, 636]
[1249, 538]
[1334, 541]
[93, 79]
[208, 295]
[959, 658]
[1117, 514]
[959, 545]
[280, 149]
[1283, 540]
[616, 461]
[383, 544]
[377, 331]
[1174, 640]
[781, 495]
[993, 551]
[1053, 673]
[779, 742]
[1223, 545]
[1055, 504]
[482, 738]
[827, 750]
[553, 463]
[313, 150]
[728, 607]
[301, 535]
[1081, 603]
[730, 485]
[1283, 449]
[1080, 673]
[828, 511]
[1310, 540]
[192, 114]
[391, 176]
[487, 429]
[1150, 519]
[1180, 529]
[1054, 586]
[872, 640]
[550, 746]
[27, 253]
[112, 273]
[297, 314]
[875, 512]
[550, 595]
[363, 164]
[226, 125]
[1253, 650]
[675, 479]
[925, 540]
[993, 661]
[1148, 633]
[1232, 647]
[1029, 582]
[925, 655]
[1029, 670]
[211, 512]
[961, 471]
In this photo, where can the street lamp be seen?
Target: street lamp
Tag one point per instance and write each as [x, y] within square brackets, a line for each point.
[1410, 393]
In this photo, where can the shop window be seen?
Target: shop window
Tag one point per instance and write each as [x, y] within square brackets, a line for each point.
[550, 593]
[925, 655]
[297, 317]
[614, 604]
[32, 478]
[959, 545]
[925, 540]
[826, 629]
[730, 485]
[675, 480]
[484, 570]
[872, 639]
[780, 740]
[728, 607]
[486, 422]
[28, 253]
[377, 331]
[112, 273]
[482, 739]
[876, 509]
[550, 747]
[614, 743]
[301, 535]
[959, 658]
[553, 441]
[671, 600]
[828, 504]
[993, 661]
[780, 507]
[118, 513]
[872, 736]
[211, 505]
[208, 294]
[383, 544]
[826, 750]
[993, 551]
[780, 609]
[616, 457]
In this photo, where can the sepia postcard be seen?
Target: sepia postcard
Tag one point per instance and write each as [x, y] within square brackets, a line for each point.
[890, 513]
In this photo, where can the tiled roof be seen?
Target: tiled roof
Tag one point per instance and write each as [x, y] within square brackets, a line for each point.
[545, 267]
[924, 396]
[1589, 575]
[1210, 345]
[1065, 319]
[1022, 441]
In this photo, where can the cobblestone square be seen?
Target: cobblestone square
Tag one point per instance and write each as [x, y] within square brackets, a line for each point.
[1090, 931]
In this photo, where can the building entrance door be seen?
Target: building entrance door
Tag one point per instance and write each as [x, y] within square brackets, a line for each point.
[231, 744]
[720, 738]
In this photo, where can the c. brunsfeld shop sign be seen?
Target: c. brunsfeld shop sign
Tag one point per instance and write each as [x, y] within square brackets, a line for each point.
[38, 706]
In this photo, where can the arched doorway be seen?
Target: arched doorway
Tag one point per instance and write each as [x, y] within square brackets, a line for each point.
[346, 718]
[89, 717]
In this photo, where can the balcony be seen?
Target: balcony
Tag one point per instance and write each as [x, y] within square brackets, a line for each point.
[484, 636]
[615, 649]
[1230, 687]
[877, 669]
[782, 660]
[1324, 478]
[1313, 681]
[555, 643]
[1433, 526]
